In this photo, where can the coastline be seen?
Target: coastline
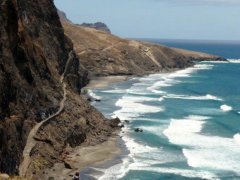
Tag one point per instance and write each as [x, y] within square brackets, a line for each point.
[103, 81]
[91, 160]
[87, 159]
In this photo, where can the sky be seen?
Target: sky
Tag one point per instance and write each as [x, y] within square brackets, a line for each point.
[163, 19]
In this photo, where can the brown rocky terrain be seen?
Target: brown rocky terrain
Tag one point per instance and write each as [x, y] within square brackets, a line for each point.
[40, 77]
[104, 54]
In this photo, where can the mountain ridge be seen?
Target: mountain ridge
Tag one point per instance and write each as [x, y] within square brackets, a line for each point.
[104, 54]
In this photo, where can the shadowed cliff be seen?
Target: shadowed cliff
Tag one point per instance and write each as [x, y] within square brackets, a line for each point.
[33, 56]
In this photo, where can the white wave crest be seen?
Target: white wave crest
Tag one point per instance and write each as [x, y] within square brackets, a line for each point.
[143, 158]
[115, 91]
[226, 108]
[181, 128]
[203, 151]
[206, 97]
[132, 107]
[169, 79]
[234, 60]
[93, 95]
[236, 137]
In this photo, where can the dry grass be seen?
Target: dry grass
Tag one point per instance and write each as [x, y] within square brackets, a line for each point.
[39, 163]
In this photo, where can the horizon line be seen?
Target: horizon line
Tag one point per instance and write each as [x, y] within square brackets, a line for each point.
[181, 39]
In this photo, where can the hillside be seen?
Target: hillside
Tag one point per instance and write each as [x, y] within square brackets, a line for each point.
[41, 110]
[104, 54]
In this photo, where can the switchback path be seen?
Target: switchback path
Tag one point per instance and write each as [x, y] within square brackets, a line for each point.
[31, 142]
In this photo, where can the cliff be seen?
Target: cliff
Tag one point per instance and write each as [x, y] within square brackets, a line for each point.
[41, 110]
[104, 54]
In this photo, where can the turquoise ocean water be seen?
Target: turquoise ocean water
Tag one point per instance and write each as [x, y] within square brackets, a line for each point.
[190, 120]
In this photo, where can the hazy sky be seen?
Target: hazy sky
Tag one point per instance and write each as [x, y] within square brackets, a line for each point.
[167, 19]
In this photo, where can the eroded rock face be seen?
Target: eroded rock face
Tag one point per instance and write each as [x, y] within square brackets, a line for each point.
[33, 55]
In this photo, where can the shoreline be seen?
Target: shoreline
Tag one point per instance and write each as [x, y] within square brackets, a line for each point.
[91, 161]
[95, 159]
[88, 159]
[104, 81]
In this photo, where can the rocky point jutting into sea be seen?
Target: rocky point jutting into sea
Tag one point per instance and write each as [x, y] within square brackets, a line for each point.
[41, 76]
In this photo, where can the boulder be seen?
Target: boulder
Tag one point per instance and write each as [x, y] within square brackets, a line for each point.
[138, 130]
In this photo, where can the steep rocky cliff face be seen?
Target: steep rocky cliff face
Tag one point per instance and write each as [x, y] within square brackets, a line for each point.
[34, 54]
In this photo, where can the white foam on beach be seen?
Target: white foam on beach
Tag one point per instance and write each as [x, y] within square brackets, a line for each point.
[120, 170]
[132, 107]
[115, 91]
[236, 137]
[206, 97]
[161, 99]
[93, 95]
[218, 62]
[198, 148]
[226, 108]
[179, 129]
[234, 60]
[143, 158]
[169, 79]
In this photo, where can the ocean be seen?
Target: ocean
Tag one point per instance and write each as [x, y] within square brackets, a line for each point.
[190, 119]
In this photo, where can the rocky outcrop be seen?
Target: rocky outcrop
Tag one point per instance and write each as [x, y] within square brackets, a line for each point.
[98, 26]
[62, 15]
[34, 54]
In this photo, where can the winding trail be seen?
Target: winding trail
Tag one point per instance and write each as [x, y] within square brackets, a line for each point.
[105, 49]
[31, 142]
[111, 46]
[82, 52]
[150, 55]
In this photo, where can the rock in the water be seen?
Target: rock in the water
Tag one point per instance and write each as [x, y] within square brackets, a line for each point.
[138, 130]
[115, 122]
[121, 125]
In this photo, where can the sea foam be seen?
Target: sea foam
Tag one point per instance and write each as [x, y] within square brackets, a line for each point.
[206, 97]
[132, 107]
[226, 108]
[234, 60]
[236, 137]
[169, 79]
[198, 148]
[93, 95]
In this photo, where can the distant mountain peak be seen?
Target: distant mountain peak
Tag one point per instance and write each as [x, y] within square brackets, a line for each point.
[98, 25]
[62, 15]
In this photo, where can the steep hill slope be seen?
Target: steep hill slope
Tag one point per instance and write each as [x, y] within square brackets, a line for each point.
[102, 53]
[40, 81]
